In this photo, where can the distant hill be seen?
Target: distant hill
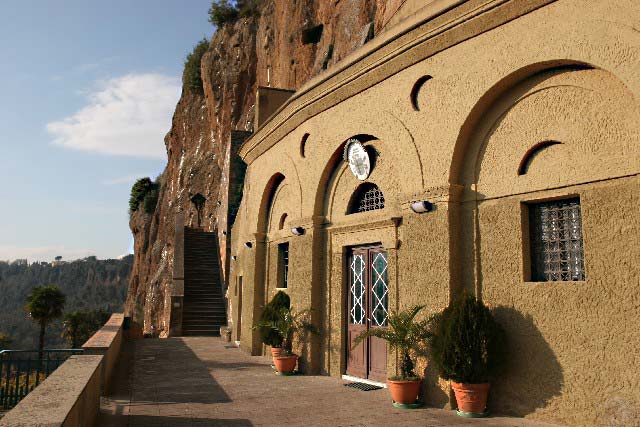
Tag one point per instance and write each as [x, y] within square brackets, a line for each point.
[88, 284]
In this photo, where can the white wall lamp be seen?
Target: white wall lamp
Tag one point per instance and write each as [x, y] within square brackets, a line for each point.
[233, 257]
[248, 245]
[298, 231]
[422, 206]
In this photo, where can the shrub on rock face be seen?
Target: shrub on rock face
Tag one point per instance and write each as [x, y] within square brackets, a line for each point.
[467, 342]
[138, 191]
[271, 313]
[146, 192]
[192, 77]
[221, 12]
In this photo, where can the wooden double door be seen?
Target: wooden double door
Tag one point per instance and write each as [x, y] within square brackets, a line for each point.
[367, 307]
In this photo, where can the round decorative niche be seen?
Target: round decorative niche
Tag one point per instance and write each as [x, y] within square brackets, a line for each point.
[415, 91]
[303, 144]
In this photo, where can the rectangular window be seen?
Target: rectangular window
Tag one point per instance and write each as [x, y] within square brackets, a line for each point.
[555, 234]
[283, 265]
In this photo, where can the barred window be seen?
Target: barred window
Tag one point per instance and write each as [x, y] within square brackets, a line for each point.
[367, 197]
[557, 249]
[283, 265]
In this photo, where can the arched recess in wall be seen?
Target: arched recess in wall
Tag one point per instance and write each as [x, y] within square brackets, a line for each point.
[526, 114]
[267, 198]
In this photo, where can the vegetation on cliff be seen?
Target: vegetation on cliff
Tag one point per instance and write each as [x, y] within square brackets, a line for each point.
[192, 77]
[90, 285]
[146, 192]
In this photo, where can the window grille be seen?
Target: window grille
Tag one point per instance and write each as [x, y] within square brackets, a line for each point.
[283, 258]
[367, 197]
[557, 249]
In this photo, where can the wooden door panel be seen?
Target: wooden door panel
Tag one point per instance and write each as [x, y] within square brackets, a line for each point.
[377, 359]
[357, 360]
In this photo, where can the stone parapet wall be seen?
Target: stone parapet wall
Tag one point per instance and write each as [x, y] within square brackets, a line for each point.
[70, 396]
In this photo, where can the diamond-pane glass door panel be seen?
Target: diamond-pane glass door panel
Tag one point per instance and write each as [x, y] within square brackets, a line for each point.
[379, 289]
[357, 292]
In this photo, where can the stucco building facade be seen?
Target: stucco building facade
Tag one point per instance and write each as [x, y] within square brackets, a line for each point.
[518, 121]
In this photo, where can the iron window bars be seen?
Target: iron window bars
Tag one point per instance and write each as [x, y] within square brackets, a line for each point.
[557, 249]
[367, 198]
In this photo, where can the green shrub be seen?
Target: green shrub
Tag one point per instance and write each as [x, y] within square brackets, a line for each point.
[221, 12]
[151, 199]
[248, 7]
[467, 342]
[192, 76]
[271, 313]
[138, 191]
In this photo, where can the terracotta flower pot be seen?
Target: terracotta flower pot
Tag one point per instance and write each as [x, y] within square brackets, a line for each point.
[471, 398]
[285, 364]
[404, 392]
[275, 351]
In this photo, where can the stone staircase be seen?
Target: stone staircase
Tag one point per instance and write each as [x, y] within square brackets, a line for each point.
[204, 305]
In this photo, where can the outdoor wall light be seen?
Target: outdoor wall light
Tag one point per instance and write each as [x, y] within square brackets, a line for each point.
[298, 231]
[224, 232]
[422, 207]
[233, 257]
[248, 244]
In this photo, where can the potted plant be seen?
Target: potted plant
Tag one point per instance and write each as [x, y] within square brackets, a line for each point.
[466, 348]
[288, 324]
[406, 335]
[271, 313]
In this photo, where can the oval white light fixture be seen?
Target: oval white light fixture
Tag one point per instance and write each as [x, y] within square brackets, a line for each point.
[422, 206]
[248, 244]
[298, 231]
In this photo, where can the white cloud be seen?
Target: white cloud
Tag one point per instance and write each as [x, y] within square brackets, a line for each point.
[126, 116]
[43, 253]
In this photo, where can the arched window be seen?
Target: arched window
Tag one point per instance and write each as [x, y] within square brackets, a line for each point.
[367, 197]
[283, 218]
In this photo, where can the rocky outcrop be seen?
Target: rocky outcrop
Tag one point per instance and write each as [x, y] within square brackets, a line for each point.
[284, 45]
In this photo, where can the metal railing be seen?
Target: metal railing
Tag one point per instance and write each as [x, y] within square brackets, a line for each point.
[22, 370]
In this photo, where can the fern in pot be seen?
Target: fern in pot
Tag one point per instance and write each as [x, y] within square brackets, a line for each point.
[406, 335]
[271, 313]
[289, 325]
[466, 347]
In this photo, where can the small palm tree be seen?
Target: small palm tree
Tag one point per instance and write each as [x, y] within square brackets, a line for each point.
[73, 325]
[44, 304]
[402, 333]
[289, 323]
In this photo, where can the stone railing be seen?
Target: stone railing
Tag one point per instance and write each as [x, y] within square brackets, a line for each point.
[71, 395]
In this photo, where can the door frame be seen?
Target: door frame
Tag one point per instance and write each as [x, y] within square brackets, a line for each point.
[369, 250]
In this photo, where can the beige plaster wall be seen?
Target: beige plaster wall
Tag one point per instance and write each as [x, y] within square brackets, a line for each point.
[567, 72]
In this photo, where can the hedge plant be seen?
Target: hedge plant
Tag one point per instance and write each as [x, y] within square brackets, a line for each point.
[467, 342]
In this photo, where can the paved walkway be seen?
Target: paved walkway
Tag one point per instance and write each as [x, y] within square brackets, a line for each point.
[201, 381]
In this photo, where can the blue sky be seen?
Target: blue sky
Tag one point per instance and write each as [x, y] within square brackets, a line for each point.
[87, 91]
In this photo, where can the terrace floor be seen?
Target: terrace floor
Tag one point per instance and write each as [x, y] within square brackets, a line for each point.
[202, 381]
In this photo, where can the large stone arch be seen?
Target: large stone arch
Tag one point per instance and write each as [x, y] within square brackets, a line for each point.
[588, 111]
[576, 127]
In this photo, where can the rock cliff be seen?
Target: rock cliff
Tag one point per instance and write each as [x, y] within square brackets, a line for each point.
[283, 45]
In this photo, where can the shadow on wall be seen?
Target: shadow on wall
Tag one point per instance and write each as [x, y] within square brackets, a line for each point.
[532, 375]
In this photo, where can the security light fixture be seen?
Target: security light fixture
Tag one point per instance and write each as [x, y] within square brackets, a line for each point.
[248, 244]
[298, 231]
[422, 206]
